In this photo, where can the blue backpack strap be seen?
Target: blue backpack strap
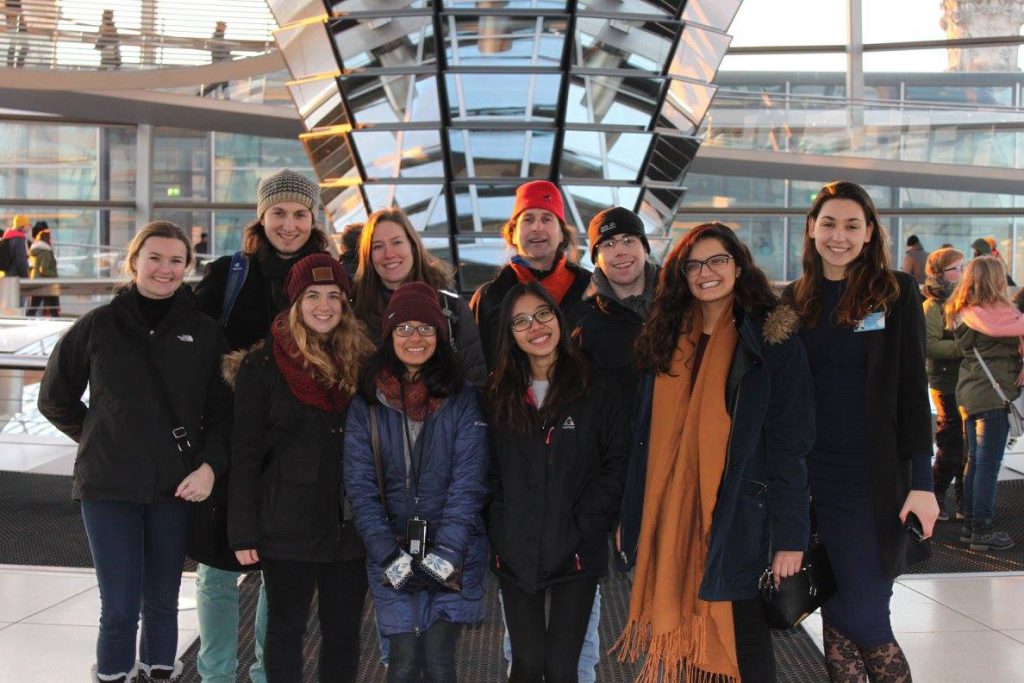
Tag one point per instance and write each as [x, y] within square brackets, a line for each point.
[237, 272]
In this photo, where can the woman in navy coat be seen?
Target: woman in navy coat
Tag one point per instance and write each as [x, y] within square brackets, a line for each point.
[433, 453]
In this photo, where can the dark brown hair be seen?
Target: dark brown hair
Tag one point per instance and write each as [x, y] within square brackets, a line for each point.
[369, 289]
[674, 303]
[506, 392]
[870, 285]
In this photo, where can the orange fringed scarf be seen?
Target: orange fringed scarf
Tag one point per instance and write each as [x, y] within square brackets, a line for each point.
[556, 283]
[684, 639]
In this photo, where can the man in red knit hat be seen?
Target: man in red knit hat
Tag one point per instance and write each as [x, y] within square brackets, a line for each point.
[545, 251]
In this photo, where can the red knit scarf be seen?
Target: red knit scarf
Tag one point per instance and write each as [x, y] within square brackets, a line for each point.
[556, 283]
[419, 404]
[300, 379]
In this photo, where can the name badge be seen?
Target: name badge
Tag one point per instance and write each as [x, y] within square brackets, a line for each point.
[872, 322]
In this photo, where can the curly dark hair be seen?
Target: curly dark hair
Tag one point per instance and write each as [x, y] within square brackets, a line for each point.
[674, 304]
[506, 392]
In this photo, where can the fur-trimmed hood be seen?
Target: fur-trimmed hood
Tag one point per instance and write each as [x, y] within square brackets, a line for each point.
[780, 324]
[231, 363]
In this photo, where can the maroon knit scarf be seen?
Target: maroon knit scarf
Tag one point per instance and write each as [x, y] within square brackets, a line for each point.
[301, 381]
[419, 405]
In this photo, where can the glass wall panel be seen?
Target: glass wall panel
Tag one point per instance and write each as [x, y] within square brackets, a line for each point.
[1003, 58]
[87, 242]
[790, 22]
[402, 40]
[765, 236]
[885, 21]
[504, 41]
[181, 164]
[512, 96]
[118, 146]
[48, 161]
[240, 161]
[393, 154]
[392, 99]
[613, 100]
[640, 45]
[717, 191]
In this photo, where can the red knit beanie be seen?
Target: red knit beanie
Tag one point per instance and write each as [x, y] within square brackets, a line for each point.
[538, 194]
[414, 301]
[316, 269]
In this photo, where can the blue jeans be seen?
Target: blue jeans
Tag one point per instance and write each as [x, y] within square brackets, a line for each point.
[217, 609]
[138, 550]
[986, 442]
[590, 655]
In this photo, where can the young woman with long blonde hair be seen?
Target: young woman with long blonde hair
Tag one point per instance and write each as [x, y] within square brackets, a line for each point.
[288, 508]
[985, 323]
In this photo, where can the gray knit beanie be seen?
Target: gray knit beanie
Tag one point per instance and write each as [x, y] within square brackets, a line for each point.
[287, 186]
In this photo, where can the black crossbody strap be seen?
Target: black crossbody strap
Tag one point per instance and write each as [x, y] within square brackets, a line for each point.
[377, 461]
[178, 431]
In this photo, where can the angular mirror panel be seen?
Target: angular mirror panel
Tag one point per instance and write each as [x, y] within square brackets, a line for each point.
[651, 7]
[504, 4]
[344, 205]
[716, 14]
[402, 41]
[659, 205]
[331, 157]
[392, 99]
[289, 11]
[307, 50]
[670, 158]
[400, 154]
[319, 102]
[613, 100]
[685, 105]
[521, 97]
[504, 41]
[621, 44]
[341, 7]
[608, 156]
[699, 53]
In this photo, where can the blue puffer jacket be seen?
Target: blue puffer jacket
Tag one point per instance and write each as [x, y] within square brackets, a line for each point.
[453, 485]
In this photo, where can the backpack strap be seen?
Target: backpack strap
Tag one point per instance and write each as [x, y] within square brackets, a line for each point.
[237, 272]
[451, 318]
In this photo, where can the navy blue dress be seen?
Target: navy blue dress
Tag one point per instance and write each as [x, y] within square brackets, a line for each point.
[839, 475]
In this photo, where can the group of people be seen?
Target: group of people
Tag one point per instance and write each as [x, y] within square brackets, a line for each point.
[36, 260]
[385, 437]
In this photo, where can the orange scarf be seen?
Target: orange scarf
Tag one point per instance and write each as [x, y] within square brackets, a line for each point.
[684, 638]
[556, 283]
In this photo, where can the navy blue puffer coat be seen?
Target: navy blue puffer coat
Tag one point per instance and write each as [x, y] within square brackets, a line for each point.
[452, 489]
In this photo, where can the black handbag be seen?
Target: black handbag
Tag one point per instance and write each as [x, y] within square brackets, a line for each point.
[797, 596]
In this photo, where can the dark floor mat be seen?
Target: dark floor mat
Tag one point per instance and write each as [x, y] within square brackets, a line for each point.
[949, 555]
[479, 655]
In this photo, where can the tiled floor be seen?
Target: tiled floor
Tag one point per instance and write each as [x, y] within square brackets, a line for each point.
[953, 627]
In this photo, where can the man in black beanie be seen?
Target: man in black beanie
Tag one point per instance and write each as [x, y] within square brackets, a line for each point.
[620, 293]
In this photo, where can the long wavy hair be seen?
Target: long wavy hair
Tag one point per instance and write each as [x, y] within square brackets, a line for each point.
[154, 229]
[333, 360]
[983, 284]
[369, 288]
[506, 392]
[870, 284]
[674, 303]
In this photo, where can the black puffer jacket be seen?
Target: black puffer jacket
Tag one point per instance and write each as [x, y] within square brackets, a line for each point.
[262, 296]
[125, 448]
[486, 305]
[555, 493]
[286, 494]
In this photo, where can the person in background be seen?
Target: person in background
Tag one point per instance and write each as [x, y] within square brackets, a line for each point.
[245, 292]
[545, 252]
[985, 323]
[986, 246]
[133, 476]
[220, 51]
[108, 42]
[559, 445]
[391, 254]
[350, 249]
[944, 268]
[717, 482]
[914, 259]
[870, 469]
[42, 263]
[418, 510]
[14, 248]
[288, 507]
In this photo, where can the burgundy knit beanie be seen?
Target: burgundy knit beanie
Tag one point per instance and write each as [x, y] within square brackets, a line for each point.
[316, 269]
[538, 194]
[414, 301]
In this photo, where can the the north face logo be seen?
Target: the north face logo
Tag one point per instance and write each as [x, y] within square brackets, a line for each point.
[606, 227]
[568, 424]
[185, 338]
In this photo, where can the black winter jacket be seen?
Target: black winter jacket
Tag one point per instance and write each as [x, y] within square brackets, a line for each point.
[486, 305]
[762, 502]
[125, 448]
[555, 493]
[262, 296]
[286, 495]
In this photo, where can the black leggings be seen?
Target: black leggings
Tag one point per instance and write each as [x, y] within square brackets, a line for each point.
[753, 642]
[341, 587]
[547, 652]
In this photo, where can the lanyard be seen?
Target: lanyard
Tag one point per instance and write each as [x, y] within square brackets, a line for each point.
[415, 460]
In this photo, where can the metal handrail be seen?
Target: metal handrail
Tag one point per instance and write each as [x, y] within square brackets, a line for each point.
[14, 361]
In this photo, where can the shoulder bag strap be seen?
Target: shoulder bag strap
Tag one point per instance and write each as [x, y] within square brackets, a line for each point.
[451, 319]
[377, 461]
[988, 373]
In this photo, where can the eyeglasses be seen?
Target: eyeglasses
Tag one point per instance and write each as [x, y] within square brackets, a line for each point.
[692, 268]
[958, 269]
[407, 330]
[523, 321]
[628, 241]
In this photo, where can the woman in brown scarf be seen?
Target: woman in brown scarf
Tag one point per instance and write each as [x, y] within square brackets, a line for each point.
[721, 491]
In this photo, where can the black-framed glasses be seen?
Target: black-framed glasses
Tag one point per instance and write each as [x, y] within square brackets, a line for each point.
[691, 267]
[957, 268]
[523, 321]
[406, 330]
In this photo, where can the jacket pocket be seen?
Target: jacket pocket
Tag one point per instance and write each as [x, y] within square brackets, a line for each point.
[749, 537]
[290, 507]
